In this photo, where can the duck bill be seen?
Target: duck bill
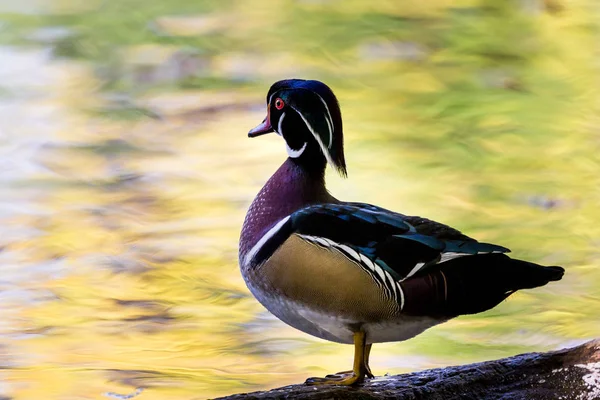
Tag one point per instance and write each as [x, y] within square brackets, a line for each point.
[262, 128]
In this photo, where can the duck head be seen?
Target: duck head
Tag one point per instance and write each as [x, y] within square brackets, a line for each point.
[307, 115]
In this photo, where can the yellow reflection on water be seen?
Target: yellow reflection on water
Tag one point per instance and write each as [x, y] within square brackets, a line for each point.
[120, 223]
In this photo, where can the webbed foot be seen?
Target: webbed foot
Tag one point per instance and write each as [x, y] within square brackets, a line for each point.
[345, 378]
[357, 374]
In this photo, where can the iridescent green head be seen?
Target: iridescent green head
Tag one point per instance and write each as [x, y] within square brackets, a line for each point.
[307, 115]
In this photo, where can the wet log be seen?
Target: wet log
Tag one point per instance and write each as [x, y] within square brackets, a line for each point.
[567, 374]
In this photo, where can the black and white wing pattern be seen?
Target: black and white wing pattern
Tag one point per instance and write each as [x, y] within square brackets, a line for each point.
[428, 268]
[401, 246]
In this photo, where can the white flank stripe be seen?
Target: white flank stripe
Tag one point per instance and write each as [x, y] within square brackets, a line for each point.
[351, 252]
[394, 286]
[255, 249]
[380, 271]
[344, 249]
[367, 262]
[414, 270]
[324, 149]
[401, 295]
[321, 241]
[331, 242]
[307, 237]
[295, 153]
[315, 239]
[329, 121]
[392, 283]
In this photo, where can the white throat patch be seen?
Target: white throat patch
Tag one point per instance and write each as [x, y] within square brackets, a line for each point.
[295, 153]
[291, 152]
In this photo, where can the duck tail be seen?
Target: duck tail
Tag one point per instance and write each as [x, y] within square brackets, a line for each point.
[530, 275]
[473, 284]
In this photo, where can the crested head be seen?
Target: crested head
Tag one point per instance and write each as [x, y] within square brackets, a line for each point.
[307, 115]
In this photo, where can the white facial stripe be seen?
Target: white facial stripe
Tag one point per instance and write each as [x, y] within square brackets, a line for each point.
[322, 146]
[330, 133]
[279, 131]
[256, 248]
[317, 138]
[295, 153]
[329, 121]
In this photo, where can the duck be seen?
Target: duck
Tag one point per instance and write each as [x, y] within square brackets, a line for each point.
[355, 273]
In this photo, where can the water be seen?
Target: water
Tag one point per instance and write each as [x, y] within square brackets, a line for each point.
[126, 173]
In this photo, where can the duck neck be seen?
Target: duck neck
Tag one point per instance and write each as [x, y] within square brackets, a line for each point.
[291, 188]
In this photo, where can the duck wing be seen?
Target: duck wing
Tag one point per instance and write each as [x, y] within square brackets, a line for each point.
[404, 246]
[428, 268]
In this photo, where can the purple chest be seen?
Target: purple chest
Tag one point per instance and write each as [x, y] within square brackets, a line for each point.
[289, 189]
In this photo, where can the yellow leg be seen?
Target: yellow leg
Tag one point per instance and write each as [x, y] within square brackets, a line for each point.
[360, 368]
[369, 374]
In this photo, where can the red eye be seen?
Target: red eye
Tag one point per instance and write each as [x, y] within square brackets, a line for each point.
[279, 103]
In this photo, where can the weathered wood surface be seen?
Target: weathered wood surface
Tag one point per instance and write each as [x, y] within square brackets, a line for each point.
[565, 374]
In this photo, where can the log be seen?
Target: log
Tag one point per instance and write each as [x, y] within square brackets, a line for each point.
[567, 374]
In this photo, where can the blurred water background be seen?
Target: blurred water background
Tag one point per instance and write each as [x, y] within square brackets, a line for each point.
[126, 172]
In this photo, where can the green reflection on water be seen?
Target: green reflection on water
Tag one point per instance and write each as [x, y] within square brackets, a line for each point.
[128, 174]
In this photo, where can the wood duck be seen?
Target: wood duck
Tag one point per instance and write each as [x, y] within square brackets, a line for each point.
[352, 272]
